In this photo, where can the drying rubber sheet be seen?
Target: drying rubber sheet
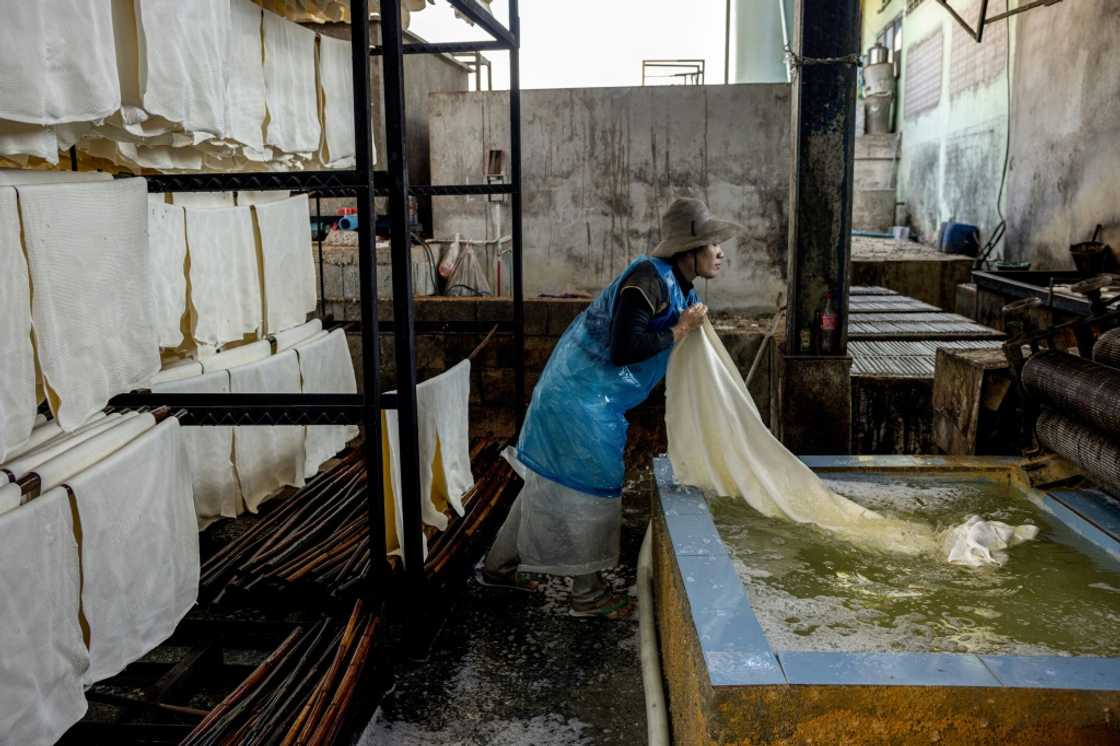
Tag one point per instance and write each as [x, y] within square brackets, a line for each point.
[210, 453]
[182, 48]
[224, 276]
[167, 251]
[58, 62]
[267, 458]
[289, 266]
[204, 199]
[325, 367]
[18, 402]
[17, 177]
[261, 198]
[86, 244]
[442, 411]
[19, 467]
[291, 337]
[240, 355]
[177, 372]
[336, 103]
[42, 654]
[245, 92]
[19, 141]
[718, 442]
[290, 86]
[139, 548]
[90, 451]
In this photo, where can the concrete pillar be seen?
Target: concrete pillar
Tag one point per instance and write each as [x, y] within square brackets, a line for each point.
[815, 389]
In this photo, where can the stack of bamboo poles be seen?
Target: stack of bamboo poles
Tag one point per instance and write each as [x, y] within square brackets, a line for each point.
[317, 539]
[301, 693]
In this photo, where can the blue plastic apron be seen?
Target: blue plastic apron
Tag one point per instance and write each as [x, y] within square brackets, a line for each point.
[575, 429]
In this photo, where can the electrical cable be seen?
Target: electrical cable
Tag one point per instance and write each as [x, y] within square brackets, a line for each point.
[1001, 227]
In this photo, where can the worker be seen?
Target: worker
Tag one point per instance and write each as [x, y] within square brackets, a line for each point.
[567, 518]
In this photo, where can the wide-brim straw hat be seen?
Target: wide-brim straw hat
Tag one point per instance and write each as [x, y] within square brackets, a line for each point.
[687, 225]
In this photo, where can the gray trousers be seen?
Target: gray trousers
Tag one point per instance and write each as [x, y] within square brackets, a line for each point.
[503, 559]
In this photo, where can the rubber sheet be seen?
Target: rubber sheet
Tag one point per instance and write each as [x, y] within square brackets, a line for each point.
[326, 367]
[245, 92]
[18, 402]
[336, 107]
[85, 243]
[139, 548]
[167, 252]
[718, 442]
[291, 87]
[224, 275]
[289, 266]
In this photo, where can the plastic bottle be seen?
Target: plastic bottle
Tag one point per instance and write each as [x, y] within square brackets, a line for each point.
[828, 326]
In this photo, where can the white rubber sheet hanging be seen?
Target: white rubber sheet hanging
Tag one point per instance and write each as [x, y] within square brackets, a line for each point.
[59, 63]
[182, 50]
[718, 442]
[42, 654]
[326, 367]
[245, 92]
[289, 266]
[291, 337]
[291, 87]
[20, 466]
[140, 562]
[87, 243]
[267, 458]
[210, 452]
[167, 252]
[225, 279]
[177, 372]
[75, 459]
[336, 103]
[17, 356]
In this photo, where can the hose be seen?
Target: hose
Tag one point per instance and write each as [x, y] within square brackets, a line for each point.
[657, 717]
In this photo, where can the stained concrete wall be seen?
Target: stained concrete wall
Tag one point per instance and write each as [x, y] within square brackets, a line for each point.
[1064, 88]
[1065, 144]
[600, 165]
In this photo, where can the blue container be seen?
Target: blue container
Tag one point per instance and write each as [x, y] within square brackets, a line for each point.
[959, 238]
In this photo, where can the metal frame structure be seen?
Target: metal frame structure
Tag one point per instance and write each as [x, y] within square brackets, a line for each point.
[363, 183]
[983, 20]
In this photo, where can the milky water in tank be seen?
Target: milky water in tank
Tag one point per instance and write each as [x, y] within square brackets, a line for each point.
[810, 591]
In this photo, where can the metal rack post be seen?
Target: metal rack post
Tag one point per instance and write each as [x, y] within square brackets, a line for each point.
[515, 184]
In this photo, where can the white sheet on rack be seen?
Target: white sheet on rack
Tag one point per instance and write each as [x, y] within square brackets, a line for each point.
[245, 92]
[445, 403]
[182, 54]
[326, 367]
[336, 95]
[267, 458]
[210, 451]
[243, 355]
[261, 198]
[75, 459]
[18, 402]
[203, 199]
[45, 433]
[16, 177]
[87, 243]
[167, 252]
[42, 654]
[59, 62]
[18, 141]
[10, 496]
[140, 562]
[225, 281]
[291, 337]
[177, 372]
[289, 267]
[290, 85]
[442, 406]
[18, 467]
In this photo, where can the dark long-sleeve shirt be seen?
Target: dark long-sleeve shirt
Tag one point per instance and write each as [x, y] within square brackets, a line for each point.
[642, 296]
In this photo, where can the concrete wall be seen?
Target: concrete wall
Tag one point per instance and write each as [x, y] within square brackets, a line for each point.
[1064, 87]
[600, 165]
[1065, 143]
[951, 111]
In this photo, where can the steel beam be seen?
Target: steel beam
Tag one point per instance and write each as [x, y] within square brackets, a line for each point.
[403, 311]
[478, 15]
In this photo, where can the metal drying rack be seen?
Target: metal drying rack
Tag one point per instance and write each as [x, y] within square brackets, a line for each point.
[364, 184]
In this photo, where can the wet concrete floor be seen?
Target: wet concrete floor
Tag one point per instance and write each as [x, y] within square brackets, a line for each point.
[512, 668]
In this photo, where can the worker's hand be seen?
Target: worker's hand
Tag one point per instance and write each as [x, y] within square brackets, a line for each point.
[691, 318]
